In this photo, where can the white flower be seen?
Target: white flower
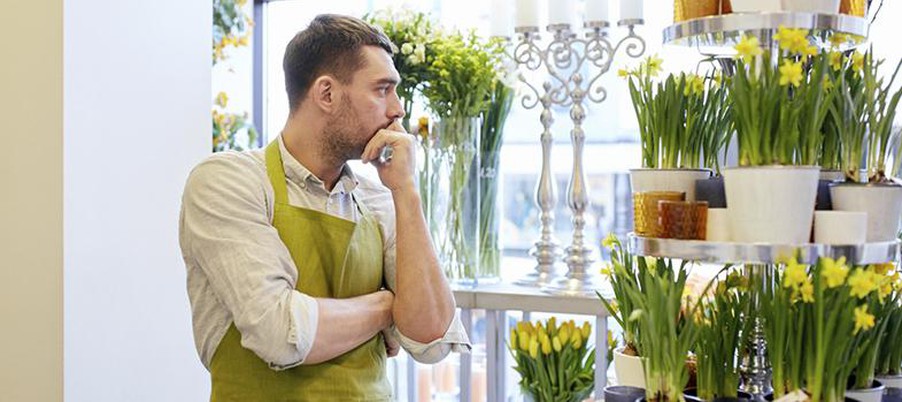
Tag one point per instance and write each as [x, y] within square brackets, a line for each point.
[412, 59]
[406, 49]
[420, 53]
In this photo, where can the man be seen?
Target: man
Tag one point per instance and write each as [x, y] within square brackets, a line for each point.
[289, 253]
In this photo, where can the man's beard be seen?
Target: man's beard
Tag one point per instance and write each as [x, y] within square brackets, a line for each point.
[342, 141]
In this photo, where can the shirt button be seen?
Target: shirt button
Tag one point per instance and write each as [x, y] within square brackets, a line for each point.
[303, 185]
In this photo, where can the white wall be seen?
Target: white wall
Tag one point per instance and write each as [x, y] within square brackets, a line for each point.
[137, 118]
[31, 201]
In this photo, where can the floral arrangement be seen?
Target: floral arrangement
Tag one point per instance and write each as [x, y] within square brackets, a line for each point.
[413, 35]
[820, 322]
[227, 126]
[555, 362]
[720, 336]
[231, 27]
[622, 277]
[779, 109]
[683, 121]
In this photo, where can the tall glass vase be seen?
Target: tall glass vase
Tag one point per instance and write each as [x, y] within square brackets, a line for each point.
[449, 187]
[489, 218]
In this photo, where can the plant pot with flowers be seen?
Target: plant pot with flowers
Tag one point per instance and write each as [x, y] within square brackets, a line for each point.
[866, 113]
[817, 322]
[779, 109]
[889, 359]
[622, 276]
[555, 362]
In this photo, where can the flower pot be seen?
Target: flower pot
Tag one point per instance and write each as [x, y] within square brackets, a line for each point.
[873, 394]
[812, 6]
[712, 191]
[771, 204]
[690, 9]
[629, 369]
[891, 381]
[718, 225]
[824, 203]
[622, 393]
[742, 396]
[857, 8]
[840, 227]
[682, 180]
[882, 203]
[756, 6]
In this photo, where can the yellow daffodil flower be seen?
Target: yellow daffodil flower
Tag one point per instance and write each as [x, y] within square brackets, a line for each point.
[863, 319]
[653, 64]
[748, 48]
[794, 275]
[834, 271]
[610, 240]
[884, 269]
[793, 40]
[623, 73]
[695, 85]
[611, 341]
[807, 292]
[836, 60]
[861, 283]
[607, 271]
[791, 73]
[838, 39]
[857, 62]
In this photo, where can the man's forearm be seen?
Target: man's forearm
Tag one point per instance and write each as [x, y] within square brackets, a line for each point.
[344, 324]
[423, 305]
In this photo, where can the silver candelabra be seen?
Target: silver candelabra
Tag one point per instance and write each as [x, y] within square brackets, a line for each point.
[568, 60]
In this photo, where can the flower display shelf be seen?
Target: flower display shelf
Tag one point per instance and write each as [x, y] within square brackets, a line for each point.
[760, 253]
[718, 34]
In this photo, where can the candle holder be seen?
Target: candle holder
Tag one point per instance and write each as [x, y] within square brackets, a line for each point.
[574, 65]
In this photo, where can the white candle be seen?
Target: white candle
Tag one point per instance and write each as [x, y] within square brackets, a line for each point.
[527, 13]
[630, 10]
[502, 20]
[561, 11]
[597, 10]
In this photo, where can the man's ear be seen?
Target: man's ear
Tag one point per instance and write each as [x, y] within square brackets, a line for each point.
[324, 94]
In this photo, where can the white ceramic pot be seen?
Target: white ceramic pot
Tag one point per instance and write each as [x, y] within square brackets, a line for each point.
[840, 227]
[874, 394]
[756, 6]
[682, 180]
[629, 369]
[882, 203]
[890, 381]
[718, 225]
[812, 6]
[771, 204]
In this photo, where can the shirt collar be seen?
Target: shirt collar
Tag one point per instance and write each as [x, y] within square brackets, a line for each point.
[298, 174]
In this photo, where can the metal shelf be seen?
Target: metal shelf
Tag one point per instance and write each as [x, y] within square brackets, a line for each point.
[719, 33]
[760, 253]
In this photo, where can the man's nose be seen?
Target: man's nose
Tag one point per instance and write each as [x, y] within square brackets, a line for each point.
[395, 109]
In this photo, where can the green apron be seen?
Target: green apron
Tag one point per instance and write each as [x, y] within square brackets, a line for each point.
[335, 258]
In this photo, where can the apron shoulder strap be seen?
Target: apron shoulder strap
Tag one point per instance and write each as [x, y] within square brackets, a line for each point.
[276, 172]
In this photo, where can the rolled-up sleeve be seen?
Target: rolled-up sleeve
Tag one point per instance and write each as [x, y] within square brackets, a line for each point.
[226, 232]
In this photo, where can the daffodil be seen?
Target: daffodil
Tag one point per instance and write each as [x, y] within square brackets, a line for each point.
[623, 73]
[838, 39]
[791, 73]
[607, 271]
[857, 62]
[610, 240]
[748, 48]
[836, 60]
[861, 283]
[694, 85]
[653, 65]
[807, 292]
[794, 275]
[863, 319]
[793, 40]
[884, 269]
[834, 271]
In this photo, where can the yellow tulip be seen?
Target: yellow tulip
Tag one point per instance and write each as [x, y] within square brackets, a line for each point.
[533, 348]
[546, 346]
[576, 340]
[524, 340]
[552, 325]
[564, 333]
[513, 339]
[556, 344]
[586, 330]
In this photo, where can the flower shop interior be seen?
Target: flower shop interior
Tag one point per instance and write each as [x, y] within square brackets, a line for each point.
[578, 166]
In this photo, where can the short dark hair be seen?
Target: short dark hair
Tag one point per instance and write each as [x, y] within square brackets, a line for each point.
[331, 44]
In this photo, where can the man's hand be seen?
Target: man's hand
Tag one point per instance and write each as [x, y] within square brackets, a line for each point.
[392, 345]
[399, 172]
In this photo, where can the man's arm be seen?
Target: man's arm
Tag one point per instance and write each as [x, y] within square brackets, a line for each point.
[226, 232]
[424, 305]
[344, 324]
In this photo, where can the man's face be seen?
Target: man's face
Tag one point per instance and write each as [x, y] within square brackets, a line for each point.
[366, 104]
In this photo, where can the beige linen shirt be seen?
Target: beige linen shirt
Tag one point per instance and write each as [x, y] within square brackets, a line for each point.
[240, 271]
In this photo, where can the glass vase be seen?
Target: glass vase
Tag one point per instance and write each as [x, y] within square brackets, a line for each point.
[489, 268]
[449, 187]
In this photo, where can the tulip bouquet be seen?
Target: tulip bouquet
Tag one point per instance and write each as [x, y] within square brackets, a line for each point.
[555, 362]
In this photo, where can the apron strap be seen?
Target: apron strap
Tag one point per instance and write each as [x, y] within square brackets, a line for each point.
[276, 171]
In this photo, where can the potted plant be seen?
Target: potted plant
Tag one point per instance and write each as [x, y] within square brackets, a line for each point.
[771, 194]
[720, 336]
[816, 319]
[555, 362]
[867, 113]
[881, 302]
[622, 276]
[889, 359]
[672, 116]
